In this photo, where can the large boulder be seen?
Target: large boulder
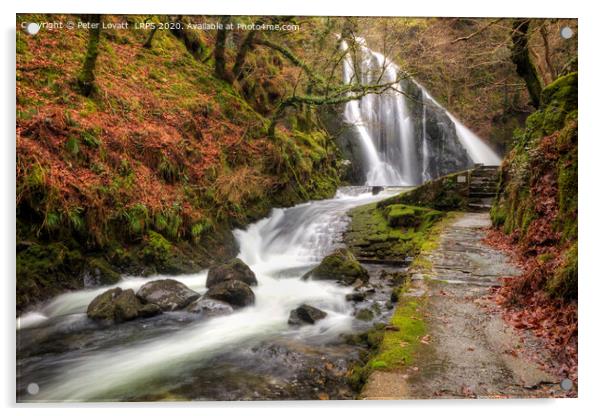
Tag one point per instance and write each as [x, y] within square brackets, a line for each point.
[117, 305]
[168, 294]
[209, 308]
[235, 269]
[305, 314]
[236, 293]
[341, 266]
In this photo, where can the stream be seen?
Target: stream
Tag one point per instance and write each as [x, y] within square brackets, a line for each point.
[249, 355]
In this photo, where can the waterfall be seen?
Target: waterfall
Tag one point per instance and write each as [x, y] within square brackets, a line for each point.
[425, 148]
[474, 145]
[404, 135]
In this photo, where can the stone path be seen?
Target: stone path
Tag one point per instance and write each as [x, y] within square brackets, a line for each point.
[471, 352]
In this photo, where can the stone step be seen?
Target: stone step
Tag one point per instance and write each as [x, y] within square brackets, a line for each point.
[479, 207]
[483, 189]
[484, 179]
[482, 195]
[492, 178]
[483, 185]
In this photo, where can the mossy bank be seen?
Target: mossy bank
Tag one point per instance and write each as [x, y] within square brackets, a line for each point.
[388, 231]
[537, 200]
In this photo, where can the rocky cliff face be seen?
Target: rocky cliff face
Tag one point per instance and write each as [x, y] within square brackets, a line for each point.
[444, 152]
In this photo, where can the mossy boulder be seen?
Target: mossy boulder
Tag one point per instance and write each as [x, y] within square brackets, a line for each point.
[365, 315]
[117, 305]
[234, 292]
[235, 269]
[341, 266]
[389, 230]
[399, 215]
[168, 294]
[305, 314]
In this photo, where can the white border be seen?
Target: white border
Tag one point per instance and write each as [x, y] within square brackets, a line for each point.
[589, 202]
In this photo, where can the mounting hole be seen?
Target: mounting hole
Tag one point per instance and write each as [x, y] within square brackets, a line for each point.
[566, 384]
[33, 388]
[566, 32]
[32, 28]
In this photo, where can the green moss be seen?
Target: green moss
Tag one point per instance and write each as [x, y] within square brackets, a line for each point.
[365, 315]
[498, 215]
[137, 219]
[340, 265]
[157, 249]
[564, 283]
[72, 146]
[45, 270]
[398, 347]
[389, 230]
[168, 170]
[169, 221]
[102, 271]
[89, 137]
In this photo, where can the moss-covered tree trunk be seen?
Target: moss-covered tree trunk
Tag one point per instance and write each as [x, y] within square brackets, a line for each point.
[521, 58]
[241, 56]
[219, 53]
[149, 40]
[86, 78]
[193, 44]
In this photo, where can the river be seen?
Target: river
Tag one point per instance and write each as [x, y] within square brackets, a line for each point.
[251, 354]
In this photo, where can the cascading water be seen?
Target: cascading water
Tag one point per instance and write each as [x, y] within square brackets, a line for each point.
[72, 358]
[405, 136]
[474, 145]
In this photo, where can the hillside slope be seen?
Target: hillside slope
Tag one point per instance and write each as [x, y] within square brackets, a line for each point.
[151, 172]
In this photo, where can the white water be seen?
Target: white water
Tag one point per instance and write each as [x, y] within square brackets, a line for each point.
[279, 249]
[384, 127]
[477, 149]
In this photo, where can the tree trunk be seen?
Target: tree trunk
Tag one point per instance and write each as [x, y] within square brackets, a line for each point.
[543, 30]
[521, 58]
[85, 80]
[241, 56]
[219, 53]
[149, 41]
[191, 41]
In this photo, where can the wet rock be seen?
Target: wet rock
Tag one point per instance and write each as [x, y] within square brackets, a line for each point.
[236, 293]
[305, 314]
[341, 266]
[168, 294]
[208, 308]
[117, 305]
[365, 315]
[235, 269]
[355, 297]
[377, 190]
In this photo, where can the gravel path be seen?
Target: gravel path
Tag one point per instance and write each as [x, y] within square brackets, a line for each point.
[469, 351]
